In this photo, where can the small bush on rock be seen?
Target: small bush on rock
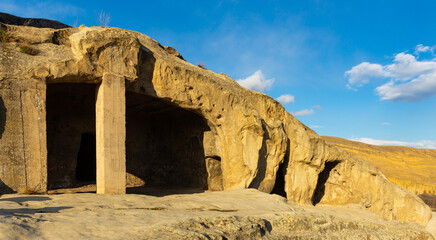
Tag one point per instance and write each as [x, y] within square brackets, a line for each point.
[28, 49]
[29, 191]
[4, 36]
[201, 65]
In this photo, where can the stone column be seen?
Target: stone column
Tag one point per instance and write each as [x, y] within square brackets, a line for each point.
[33, 114]
[23, 148]
[111, 135]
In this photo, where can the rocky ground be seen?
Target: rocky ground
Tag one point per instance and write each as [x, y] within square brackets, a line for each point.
[232, 214]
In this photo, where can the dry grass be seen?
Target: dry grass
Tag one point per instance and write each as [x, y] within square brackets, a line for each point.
[103, 19]
[4, 36]
[201, 65]
[28, 49]
[29, 191]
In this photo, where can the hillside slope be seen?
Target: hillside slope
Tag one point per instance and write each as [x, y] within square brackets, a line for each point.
[411, 168]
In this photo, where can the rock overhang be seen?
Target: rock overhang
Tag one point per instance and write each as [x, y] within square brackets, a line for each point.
[251, 133]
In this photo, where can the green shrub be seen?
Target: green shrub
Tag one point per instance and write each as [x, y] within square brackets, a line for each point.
[29, 191]
[28, 49]
[4, 36]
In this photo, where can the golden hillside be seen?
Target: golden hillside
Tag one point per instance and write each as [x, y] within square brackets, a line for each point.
[411, 168]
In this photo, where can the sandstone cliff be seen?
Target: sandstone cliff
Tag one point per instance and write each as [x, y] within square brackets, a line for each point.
[249, 139]
[411, 168]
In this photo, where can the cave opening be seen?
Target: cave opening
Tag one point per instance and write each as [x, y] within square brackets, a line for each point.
[279, 185]
[86, 168]
[164, 142]
[71, 139]
[322, 180]
[164, 146]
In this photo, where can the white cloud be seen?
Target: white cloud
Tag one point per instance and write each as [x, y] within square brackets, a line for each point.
[303, 112]
[39, 9]
[316, 126]
[386, 123]
[351, 88]
[318, 107]
[409, 79]
[420, 144]
[421, 87]
[421, 48]
[406, 67]
[361, 74]
[286, 98]
[256, 82]
[308, 111]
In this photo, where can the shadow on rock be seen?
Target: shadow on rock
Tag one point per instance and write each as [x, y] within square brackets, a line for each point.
[25, 212]
[157, 192]
[5, 188]
[20, 200]
[429, 199]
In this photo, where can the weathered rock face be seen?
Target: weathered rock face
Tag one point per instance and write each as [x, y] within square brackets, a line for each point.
[192, 125]
[411, 168]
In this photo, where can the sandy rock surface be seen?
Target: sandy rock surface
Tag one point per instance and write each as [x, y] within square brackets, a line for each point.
[431, 226]
[232, 214]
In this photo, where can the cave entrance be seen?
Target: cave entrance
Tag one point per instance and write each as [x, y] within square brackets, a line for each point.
[164, 146]
[322, 179]
[279, 185]
[70, 135]
[86, 168]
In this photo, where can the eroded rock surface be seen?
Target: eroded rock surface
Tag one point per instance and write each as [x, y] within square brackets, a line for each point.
[412, 168]
[241, 140]
[232, 214]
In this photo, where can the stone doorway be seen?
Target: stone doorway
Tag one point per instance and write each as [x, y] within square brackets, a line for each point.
[70, 135]
[164, 146]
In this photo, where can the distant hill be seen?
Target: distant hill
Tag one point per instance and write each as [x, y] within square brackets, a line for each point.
[31, 22]
[411, 168]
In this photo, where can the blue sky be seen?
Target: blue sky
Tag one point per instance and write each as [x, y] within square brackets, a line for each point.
[362, 70]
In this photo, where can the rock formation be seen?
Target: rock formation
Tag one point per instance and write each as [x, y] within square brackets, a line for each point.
[185, 126]
[232, 214]
[411, 168]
